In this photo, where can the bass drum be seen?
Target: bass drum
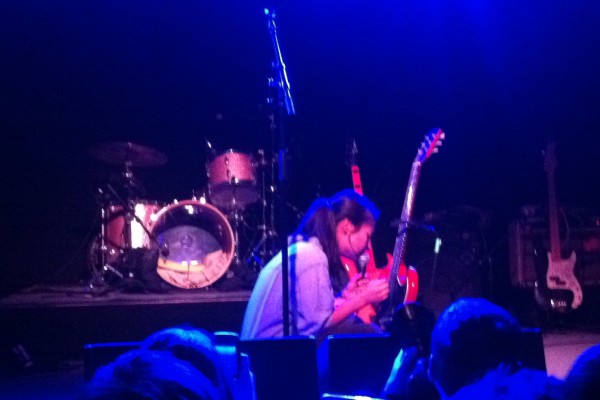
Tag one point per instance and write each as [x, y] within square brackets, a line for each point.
[196, 244]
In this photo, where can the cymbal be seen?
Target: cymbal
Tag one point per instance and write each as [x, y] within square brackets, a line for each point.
[126, 152]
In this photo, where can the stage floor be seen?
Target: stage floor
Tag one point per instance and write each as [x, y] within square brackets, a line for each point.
[66, 296]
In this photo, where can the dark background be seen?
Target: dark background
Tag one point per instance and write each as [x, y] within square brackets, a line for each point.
[501, 78]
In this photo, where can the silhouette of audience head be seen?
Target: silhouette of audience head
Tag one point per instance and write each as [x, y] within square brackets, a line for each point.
[504, 384]
[196, 347]
[471, 337]
[583, 380]
[149, 375]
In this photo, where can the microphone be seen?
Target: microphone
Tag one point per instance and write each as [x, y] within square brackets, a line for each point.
[361, 265]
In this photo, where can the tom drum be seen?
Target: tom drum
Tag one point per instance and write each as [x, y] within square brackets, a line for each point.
[232, 181]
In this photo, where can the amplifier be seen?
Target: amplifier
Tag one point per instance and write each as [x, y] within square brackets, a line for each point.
[527, 235]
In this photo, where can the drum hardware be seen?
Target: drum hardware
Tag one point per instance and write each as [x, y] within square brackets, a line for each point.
[124, 227]
[101, 268]
[263, 250]
[127, 153]
[236, 219]
[267, 245]
[124, 221]
[134, 211]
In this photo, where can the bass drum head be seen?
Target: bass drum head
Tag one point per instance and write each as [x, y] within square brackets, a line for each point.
[196, 244]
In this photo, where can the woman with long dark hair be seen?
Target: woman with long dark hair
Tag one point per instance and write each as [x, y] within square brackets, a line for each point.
[322, 300]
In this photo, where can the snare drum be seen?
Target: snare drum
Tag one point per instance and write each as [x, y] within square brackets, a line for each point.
[117, 236]
[232, 182]
[196, 244]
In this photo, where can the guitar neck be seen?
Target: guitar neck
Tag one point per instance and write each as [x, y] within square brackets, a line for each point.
[553, 219]
[400, 246]
[357, 185]
[356, 182]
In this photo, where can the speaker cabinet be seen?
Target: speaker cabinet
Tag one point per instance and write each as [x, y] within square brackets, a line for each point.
[283, 368]
[356, 364]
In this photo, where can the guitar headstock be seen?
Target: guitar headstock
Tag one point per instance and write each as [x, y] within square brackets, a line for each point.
[550, 157]
[430, 145]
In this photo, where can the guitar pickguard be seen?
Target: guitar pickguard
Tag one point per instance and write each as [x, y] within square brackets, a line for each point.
[561, 276]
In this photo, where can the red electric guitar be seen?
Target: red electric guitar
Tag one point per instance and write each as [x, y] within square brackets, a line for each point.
[403, 279]
[367, 313]
[560, 276]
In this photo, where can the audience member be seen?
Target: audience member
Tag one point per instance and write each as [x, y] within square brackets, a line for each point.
[502, 384]
[472, 339]
[198, 348]
[179, 362]
[149, 375]
[583, 380]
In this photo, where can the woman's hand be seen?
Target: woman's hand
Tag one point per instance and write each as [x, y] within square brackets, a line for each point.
[373, 291]
[366, 291]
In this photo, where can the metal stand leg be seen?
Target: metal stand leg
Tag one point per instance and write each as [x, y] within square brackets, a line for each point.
[237, 220]
[262, 252]
[99, 261]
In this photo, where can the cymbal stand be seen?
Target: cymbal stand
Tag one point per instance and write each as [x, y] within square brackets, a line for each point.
[98, 276]
[97, 281]
[236, 217]
[264, 250]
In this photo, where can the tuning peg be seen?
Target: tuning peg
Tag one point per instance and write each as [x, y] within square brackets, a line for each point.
[443, 135]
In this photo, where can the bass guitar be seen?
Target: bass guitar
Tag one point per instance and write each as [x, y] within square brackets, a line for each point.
[560, 290]
[403, 279]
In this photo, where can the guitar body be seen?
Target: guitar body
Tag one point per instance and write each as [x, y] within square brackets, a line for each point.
[550, 300]
[407, 278]
[561, 277]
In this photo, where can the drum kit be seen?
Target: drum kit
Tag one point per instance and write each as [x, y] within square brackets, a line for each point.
[191, 243]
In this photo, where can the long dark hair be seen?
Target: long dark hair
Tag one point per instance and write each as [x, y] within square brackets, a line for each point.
[321, 220]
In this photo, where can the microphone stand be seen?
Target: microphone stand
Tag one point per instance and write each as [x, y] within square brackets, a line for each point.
[282, 105]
